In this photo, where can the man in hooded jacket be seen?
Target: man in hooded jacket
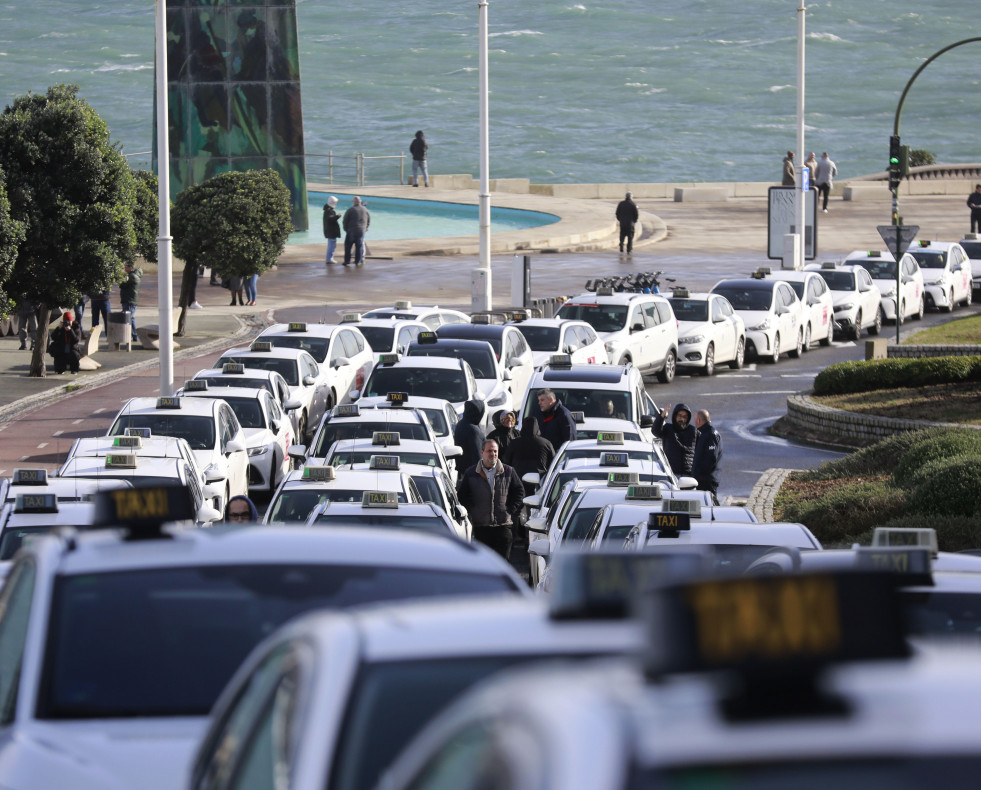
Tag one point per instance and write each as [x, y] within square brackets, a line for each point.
[678, 437]
[469, 436]
[530, 452]
[492, 494]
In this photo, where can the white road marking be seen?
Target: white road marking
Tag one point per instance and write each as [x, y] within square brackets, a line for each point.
[763, 392]
[23, 458]
[796, 375]
[76, 422]
[99, 410]
[42, 445]
[743, 375]
[57, 433]
[744, 430]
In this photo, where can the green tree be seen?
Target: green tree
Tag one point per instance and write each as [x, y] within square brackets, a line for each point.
[146, 214]
[236, 223]
[920, 156]
[11, 235]
[73, 192]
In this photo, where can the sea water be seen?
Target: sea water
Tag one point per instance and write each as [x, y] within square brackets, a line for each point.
[580, 90]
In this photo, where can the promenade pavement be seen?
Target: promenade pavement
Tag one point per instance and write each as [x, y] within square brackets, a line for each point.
[701, 244]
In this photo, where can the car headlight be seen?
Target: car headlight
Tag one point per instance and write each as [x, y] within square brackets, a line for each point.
[845, 306]
[498, 400]
[685, 341]
[253, 451]
[765, 324]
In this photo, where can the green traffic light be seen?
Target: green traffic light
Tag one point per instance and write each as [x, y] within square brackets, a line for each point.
[894, 160]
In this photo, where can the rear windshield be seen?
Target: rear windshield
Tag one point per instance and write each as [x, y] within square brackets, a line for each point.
[164, 642]
[481, 360]
[369, 519]
[248, 384]
[541, 338]
[357, 429]
[880, 270]
[972, 248]
[296, 504]
[602, 318]
[344, 457]
[449, 385]
[380, 338]
[248, 411]
[930, 260]
[287, 368]
[198, 431]
[316, 346]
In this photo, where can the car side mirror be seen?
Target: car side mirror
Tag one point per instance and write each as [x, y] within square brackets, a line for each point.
[459, 512]
[506, 375]
[531, 478]
[309, 381]
[539, 548]
[453, 451]
[298, 452]
[537, 525]
[533, 501]
[207, 515]
[687, 483]
[275, 425]
[354, 395]
[340, 362]
[212, 475]
[213, 490]
[234, 446]
[646, 421]
[637, 328]
[291, 405]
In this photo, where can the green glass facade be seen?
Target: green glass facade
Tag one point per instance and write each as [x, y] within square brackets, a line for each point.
[234, 93]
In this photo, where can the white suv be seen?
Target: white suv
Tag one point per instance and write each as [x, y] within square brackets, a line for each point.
[640, 329]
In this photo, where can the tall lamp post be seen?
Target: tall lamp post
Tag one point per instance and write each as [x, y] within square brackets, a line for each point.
[165, 288]
[480, 291]
[800, 204]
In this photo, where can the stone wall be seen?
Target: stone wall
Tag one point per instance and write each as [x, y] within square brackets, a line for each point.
[932, 350]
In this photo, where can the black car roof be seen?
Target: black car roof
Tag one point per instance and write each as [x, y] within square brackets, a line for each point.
[471, 331]
[596, 374]
[761, 285]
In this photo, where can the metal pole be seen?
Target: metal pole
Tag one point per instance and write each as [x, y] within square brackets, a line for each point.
[899, 276]
[165, 288]
[481, 287]
[800, 203]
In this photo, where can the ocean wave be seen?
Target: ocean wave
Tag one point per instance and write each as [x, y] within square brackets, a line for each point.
[778, 88]
[464, 70]
[636, 85]
[730, 43]
[515, 33]
[114, 67]
[824, 37]
[652, 91]
[577, 7]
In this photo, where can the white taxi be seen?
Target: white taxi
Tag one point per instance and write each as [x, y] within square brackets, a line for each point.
[343, 354]
[857, 300]
[709, 332]
[383, 509]
[440, 413]
[433, 316]
[549, 336]
[817, 301]
[304, 376]
[234, 374]
[882, 266]
[268, 430]
[946, 273]
[390, 443]
[773, 315]
[971, 244]
[493, 379]
[436, 486]
[509, 346]
[210, 427]
[385, 335]
[639, 329]
[429, 377]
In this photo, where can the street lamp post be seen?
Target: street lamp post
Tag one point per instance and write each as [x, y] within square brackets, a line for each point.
[480, 293]
[165, 289]
[800, 203]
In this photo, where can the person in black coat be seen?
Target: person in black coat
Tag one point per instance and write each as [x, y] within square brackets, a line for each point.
[63, 345]
[555, 420]
[530, 452]
[468, 434]
[678, 437]
[504, 432]
[493, 496]
[627, 216]
[332, 227]
[708, 454]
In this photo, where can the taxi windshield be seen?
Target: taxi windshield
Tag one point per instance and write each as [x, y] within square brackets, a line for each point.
[541, 338]
[880, 270]
[315, 346]
[690, 309]
[429, 489]
[591, 402]
[758, 299]
[838, 281]
[601, 317]
[238, 381]
[450, 385]
[287, 368]
[187, 629]
[371, 518]
[357, 429]
[14, 537]
[480, 359]
[296, 504]
[972, 248]
[344, 457]
[248, 410]
[380, 338]
[930, 259]
[198, 431]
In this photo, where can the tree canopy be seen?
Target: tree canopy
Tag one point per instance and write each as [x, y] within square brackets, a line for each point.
[11, 235]
[237, 223]
[146, 214]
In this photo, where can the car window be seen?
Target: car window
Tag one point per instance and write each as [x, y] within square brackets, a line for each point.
[603, 318]
[586, 335]
[717, 311]
[664, 310]
[651, 317]
[636, 318]
[351, 346]
[520, 345]
[407, 334]
[15, 610]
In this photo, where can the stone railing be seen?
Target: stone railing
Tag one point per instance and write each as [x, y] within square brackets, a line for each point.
[932, 350]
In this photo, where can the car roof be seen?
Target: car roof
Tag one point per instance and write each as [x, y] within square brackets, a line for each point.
[397, 414]
[315, 330]
[146, 466]
[446, 363]
[628, 510]
[620, 297]
[65, 489]
[791, 275]
[583, 374]
[695, 295]
[250, 373]
[194, 406]
[277, 352]
[255, 393]
[348, 478]
[454, 342]
[158, 446]
[738, 533]
[749, 283]
[547, 322]
[472, 331]
[414, 402]
[364, 443]
[69, 514]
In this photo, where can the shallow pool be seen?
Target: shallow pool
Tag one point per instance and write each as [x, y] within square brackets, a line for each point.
[398, 218]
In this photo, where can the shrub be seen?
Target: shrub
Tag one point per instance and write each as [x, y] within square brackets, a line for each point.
[879, 458]
[917, 463]
[950, 487]
[877, 374]
[837, 517]
[954, 533]
[920, 156]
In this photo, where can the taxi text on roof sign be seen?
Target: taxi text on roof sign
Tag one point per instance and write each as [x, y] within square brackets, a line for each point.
[297, 326]
[387, 462]
[386, 437]
[426, 338]
[609, 437]
[614, 459]
[135, 442]
[348, 410]
[321, 474]
[121, 461]
[36, 503]
[669, 522]
[168, 402]
[388, 359]
[386, 499]
[644, 492]
[261, 346]
[905, 536]
[147, 507]
[690, 506]
[623, 479]
[233, 368]
[560, 361]
[30, 477]
[196, 385]
[913, 564]
[398, 398]
[350, 318]
[143, 433]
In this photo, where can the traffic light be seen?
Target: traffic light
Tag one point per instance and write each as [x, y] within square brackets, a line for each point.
[895, 162]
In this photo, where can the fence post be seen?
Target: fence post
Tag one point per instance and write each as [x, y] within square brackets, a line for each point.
[330, 167]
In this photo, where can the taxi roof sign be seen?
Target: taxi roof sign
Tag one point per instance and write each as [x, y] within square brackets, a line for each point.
[668, 522]
[578, 417]
[386, 438]
[614, 459]
[261, 346]
[690, 506]
[143, 433]
[829, 265]
[121, 461]
[912, 563]
[136, 442]
[348, 410]
[384, 499]
[233, 368]
[143, 510]
[480, 319]
[906, 536]
[388, 359]
[680, 292]
[403, 304]
[296, 326]
[560, 361]
[623, 479]
[644, 492]
[30, 477]
[168, 402]
[604, 290]
[397, 398]
[196, 385]
[36, 503]
[319, 474]
[350, 318]
[384, 462]
[609, 437]
[426, 338]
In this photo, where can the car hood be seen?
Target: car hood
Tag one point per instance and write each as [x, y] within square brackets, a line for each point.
[753, 317]
[489, 388]
[116, 754]
[686, 328]
[932, 275]
[257, 437]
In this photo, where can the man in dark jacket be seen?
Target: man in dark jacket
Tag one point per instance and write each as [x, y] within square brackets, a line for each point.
[469, 435]
[627, 216]
[332, 227]
[708, 454]
[504, 432]
[530, 452]
[129, 293]
[492, 494]
[356, 222]
[678, 437]
[555, 420]
[418, 148]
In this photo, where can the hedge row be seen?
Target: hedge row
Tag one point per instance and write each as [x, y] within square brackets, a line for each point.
[929, 478]
[880, 374]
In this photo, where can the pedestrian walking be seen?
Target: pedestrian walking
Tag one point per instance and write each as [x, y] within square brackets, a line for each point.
[789, 176]
[468, 435]
[356, 222]
[504, 432]
[27, 313]
[129, 292]
[251, 288]
[677, 437]
[419, 148]
[555, 420]
[332, 227]
[63, 345]
[708, 454]
[974, 203]
[628, 216]
[492, 494]
[99, 303]
[824, 175]
[811, 164]
[236, 285]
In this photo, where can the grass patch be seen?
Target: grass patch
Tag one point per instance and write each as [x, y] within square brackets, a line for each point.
[72, 387]
[959, 403]
[964, 330]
